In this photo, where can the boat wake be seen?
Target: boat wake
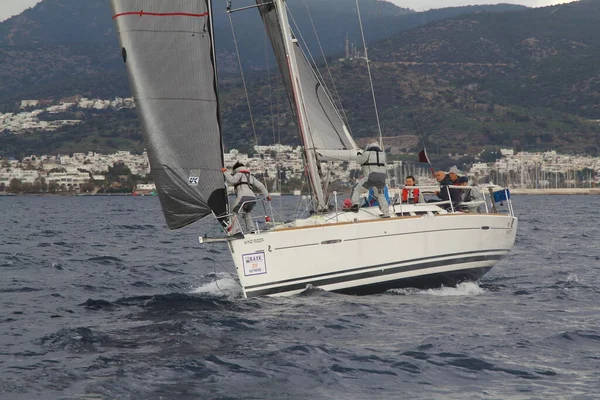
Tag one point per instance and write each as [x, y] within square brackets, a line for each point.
[222, 285]
[462, 289]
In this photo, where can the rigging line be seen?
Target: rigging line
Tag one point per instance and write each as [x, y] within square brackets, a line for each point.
[362, 33]
[276, 180]
[270, 90]
[337, 94]
[278, 96]
[237, 50]
[410, 104]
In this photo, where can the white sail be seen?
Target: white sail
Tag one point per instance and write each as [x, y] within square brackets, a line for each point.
[320, 125]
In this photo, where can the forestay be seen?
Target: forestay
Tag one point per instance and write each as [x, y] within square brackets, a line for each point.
[168, 49]
[325, 128]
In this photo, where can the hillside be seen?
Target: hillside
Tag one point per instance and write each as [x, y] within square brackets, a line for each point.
[51, 48]
[526, 79]
[520, 78]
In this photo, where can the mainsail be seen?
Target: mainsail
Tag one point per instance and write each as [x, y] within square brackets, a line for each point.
[168, 49]
[319, 123]
[326, 129]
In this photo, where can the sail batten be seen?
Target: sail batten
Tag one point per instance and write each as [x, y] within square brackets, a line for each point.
[169, 53]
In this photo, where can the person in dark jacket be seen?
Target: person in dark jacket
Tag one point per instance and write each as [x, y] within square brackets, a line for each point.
[446, 193]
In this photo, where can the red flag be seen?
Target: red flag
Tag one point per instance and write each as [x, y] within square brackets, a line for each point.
[423, 157]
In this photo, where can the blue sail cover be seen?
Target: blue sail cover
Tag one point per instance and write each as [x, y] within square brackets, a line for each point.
[168, 49]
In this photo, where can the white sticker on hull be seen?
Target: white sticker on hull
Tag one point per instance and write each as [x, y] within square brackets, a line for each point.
[254, 264]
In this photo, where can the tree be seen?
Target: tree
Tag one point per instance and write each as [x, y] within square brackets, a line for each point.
[2, 187]
[15, 186]
[118, 168]
[37, 186]
[27, 187]
[53, 186]
[87, 187]
[490, 155]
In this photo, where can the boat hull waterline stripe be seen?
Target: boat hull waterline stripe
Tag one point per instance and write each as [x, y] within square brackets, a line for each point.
[365, 275]
[405, 262]
[151, 14]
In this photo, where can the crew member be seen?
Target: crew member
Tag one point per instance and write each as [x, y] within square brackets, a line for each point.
[372, 161]
[410, 193]
[245, 185]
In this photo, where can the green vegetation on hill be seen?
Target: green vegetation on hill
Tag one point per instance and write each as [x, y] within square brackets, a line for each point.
[524, 78]
[103, 132]
[61, 41]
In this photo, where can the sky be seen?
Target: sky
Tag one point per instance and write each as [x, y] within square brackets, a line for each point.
[421, 5]
[8, 8]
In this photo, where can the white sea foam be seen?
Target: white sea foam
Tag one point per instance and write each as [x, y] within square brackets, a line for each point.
[572, 278]
[462, 289]
[223, 285]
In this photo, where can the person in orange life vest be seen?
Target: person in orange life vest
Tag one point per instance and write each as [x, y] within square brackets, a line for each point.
[410, 194]
[245, 185]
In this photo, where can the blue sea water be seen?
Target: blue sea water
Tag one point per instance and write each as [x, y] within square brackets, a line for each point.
[100, 301]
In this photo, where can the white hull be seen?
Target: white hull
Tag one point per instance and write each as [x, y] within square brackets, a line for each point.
[373, 255]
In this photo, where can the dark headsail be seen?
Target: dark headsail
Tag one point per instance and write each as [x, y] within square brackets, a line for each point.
[169, 52]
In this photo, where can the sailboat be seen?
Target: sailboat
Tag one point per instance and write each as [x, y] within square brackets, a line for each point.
[168, 48]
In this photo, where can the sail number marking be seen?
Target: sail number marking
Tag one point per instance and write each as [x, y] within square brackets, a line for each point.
[254, 264]
[193, 180]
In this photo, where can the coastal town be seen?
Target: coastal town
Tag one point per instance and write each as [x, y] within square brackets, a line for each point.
[45, 114]
[282, 168]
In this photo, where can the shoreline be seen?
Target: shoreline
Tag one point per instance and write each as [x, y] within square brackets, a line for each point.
[69, 194]
[515, 191]
[559, 191]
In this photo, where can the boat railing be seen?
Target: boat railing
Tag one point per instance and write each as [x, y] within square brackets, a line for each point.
[486, 200]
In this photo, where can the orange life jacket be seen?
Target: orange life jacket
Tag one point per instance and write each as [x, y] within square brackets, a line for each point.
[406, 195]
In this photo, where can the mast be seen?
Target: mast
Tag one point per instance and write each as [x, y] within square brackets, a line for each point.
[303, 125]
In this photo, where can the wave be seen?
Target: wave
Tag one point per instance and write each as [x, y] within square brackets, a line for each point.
[133, 227]
[76, 340]
[105, 260]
